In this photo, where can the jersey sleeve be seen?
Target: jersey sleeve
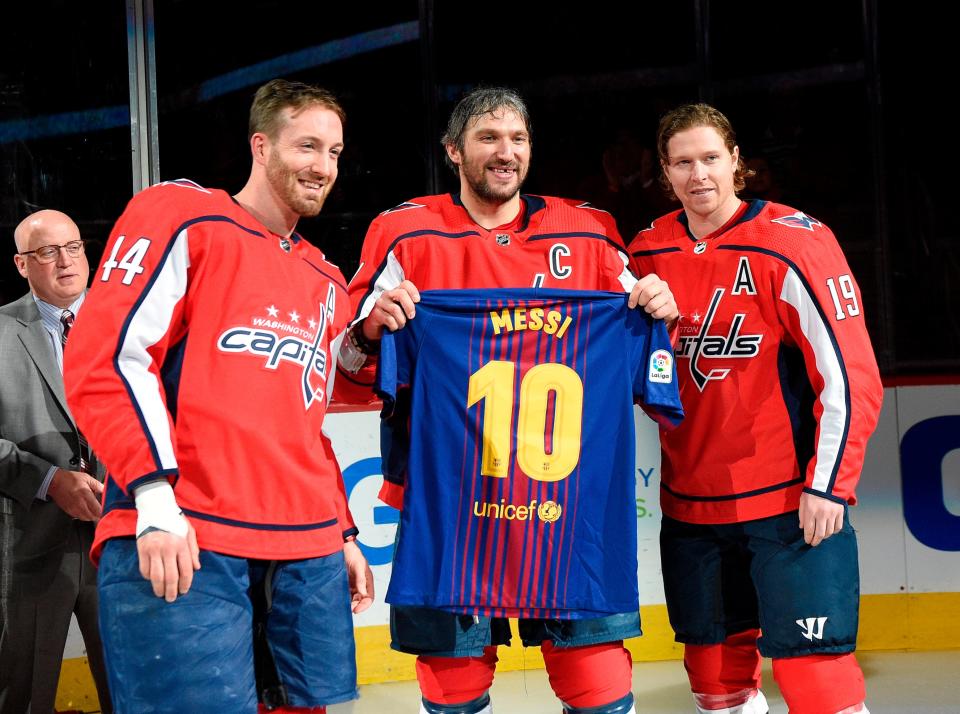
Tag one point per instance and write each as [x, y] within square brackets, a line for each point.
[821, 308]
[393, 386]
[613, 260]
[344, 517]
[640, 262]
[388, 378]
[132, 320]
[338, 329]
[655, 386]
[616, 263]
[379, 271]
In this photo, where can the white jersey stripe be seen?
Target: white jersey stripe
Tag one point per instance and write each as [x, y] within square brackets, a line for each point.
[833, 398]
[149, 324]
[627, 278]
[389, 278]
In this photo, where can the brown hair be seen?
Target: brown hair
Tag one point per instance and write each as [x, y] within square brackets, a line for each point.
[278, 94]
[691, 116]
[481, 101]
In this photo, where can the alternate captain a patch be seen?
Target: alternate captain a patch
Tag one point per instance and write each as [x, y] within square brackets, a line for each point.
[520, 490]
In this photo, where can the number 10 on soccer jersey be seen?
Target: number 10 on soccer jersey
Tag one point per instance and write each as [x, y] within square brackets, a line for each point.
[549, 418]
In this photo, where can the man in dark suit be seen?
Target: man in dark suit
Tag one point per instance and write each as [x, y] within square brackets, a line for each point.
[50, 484]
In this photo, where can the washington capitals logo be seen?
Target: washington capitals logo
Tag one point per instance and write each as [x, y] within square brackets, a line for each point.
[311, 393]
[266, 339]
[798, 220]
[703, 345]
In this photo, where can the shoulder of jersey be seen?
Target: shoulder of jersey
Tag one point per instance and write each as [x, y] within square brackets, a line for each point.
[421, 212]
[792, 229]
[564, 215]
[182, 198]
[666, 229]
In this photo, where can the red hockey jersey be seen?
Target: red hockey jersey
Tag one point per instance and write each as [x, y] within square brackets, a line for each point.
[433, 242]
[205, 355]
[777, 374]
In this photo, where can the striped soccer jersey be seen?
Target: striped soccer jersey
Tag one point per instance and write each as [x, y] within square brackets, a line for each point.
[433, 242]
[520, 483]
[776, 371]
[205, 354]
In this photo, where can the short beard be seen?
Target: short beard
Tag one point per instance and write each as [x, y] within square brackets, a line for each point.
[485, 192]
[285, 182]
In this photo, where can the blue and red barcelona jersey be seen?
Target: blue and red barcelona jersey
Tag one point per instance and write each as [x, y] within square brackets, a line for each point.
[519, 499]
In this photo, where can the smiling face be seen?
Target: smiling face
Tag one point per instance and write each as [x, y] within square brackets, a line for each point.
[62, 281]
[701, 172]
[302, 162]
[495, 158]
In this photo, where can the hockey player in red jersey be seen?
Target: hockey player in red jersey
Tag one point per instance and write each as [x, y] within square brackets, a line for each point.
[488, 236]
[781, 391]
[200, 372]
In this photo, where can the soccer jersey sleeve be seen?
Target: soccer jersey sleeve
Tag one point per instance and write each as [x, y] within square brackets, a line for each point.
[132, 322]
[821, 307]
[393, 387]
[654, 381]
[393, 372]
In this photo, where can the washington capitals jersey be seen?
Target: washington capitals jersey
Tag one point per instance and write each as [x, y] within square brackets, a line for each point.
[777, 374]
[205, 354]
[433, 242]
[520, 478]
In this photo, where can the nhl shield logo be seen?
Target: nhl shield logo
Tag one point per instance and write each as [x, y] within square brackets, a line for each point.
[700, 247]
[285, 244]
[503, 239]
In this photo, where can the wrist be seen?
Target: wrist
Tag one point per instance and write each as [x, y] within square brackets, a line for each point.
[356, 348]
[367, 345]
[157, 509]
[350, 356]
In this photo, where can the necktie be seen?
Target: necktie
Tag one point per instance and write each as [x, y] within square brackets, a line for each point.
[88, 461]
[66, 322]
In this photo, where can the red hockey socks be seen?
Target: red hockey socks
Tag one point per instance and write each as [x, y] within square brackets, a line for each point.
[820, 684]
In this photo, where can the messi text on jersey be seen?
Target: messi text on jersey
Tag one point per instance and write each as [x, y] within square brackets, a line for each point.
[550, 321]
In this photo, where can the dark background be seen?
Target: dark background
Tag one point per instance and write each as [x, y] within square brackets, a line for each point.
[841, 104]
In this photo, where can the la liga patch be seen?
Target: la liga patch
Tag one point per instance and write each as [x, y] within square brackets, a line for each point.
[661, 367]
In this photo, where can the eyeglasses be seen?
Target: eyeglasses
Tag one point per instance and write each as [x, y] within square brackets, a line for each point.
[49, 253]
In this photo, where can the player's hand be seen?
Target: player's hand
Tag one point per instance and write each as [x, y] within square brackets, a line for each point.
[655, 297]
[360, 577]
[820, 518]
[168, 561]
[391, 310]
[77, 493]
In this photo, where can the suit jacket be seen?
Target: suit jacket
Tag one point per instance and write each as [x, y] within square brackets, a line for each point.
[36, 431]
